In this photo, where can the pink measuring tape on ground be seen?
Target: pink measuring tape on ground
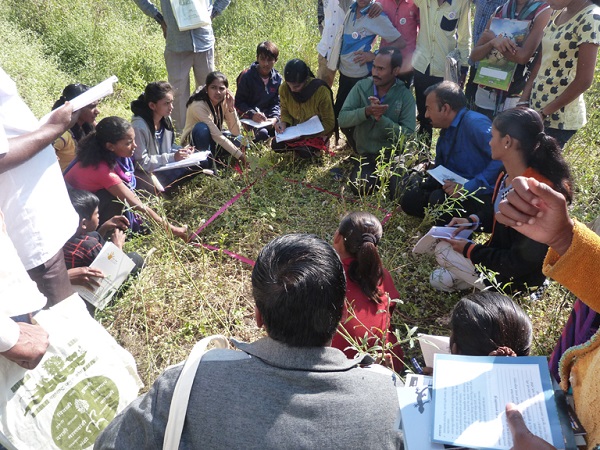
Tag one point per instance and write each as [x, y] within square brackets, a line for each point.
[235, 198]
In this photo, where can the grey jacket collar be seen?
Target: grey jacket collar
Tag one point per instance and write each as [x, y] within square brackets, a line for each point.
[314, 359]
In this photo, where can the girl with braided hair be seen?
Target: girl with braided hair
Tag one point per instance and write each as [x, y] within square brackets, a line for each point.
[519, 141]
[370, 291]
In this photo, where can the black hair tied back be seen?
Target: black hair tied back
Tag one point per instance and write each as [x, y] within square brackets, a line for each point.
[369, 237]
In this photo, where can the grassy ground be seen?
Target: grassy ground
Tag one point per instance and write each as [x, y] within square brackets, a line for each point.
[187, 292]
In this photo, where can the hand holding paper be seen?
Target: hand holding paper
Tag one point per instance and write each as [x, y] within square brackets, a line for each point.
[311, 127]
[523, 439]
[88, 97]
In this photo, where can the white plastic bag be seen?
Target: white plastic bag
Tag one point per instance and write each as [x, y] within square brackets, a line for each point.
[83, 381]
[190, 14]
[453, 66]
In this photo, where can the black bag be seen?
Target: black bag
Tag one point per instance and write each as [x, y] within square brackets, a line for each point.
[404, 180]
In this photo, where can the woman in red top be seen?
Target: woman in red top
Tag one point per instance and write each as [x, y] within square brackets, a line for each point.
[370, 291]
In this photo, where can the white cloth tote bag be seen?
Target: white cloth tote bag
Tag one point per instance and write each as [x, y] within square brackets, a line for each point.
[190, 14]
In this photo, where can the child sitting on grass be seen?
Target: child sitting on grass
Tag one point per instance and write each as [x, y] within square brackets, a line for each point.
[257, 94]
[209, 109]
[155, 139]
[104, 167]
[370, 290]
[85, 245]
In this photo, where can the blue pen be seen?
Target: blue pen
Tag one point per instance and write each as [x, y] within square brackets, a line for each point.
[462, 225]
[416, 365]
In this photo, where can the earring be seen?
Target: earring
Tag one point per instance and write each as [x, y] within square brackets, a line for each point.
[506, 146]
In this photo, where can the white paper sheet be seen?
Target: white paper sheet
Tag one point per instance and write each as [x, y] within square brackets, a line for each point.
[192, 160]
[308, 128]
[431, 344]
[93, 94]
[254, 124]
[441, 174]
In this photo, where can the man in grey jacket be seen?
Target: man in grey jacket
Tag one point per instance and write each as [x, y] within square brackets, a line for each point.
[287, 390]
[184, 50]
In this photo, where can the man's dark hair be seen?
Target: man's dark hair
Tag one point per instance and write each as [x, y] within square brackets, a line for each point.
[448, 93]
[299, 287]
[396, 56]
[269, 49]
[84, 202]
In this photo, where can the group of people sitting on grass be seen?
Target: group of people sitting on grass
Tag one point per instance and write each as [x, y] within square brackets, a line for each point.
[514, 183]
[291, 386]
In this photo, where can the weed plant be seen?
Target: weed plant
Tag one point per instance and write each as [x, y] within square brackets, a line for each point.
[187, 292]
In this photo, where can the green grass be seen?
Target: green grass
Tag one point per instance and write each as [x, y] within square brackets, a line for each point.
[186, 292]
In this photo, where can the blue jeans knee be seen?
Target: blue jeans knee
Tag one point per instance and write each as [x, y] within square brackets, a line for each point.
[201, 138]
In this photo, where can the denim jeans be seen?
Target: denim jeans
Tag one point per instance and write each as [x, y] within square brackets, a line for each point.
[202, 140]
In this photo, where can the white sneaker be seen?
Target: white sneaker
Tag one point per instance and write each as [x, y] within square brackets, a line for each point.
[442, 280]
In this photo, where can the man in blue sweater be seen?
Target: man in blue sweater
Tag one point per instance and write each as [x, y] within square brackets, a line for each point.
[462, 147]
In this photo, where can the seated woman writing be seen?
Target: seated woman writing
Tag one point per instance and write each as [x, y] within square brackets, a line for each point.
[303, 96]
[370, 290]
[518, 140]
[208, 110]
[104, 167]
[155, 138]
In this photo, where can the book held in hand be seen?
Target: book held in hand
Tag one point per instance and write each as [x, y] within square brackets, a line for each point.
[495, 70]
[470, 394]
[428, 242]
[116, 267]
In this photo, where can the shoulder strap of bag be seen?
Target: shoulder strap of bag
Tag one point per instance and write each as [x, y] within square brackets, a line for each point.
[181, 393]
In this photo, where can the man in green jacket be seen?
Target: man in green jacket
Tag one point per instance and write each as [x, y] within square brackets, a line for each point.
[381, 110]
